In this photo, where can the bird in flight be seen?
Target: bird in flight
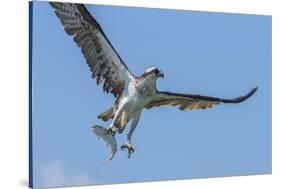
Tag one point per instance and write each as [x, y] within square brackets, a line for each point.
[132, 93]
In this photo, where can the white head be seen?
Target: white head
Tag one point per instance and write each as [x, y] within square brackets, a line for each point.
[153, 72]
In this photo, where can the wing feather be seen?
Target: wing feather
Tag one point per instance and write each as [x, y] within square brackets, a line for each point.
[105, 63]
[190, 101]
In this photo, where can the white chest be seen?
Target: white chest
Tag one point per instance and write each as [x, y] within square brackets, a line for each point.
[145, 88]
[139, 94]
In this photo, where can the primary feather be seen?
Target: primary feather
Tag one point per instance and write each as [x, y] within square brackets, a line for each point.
[105, 63]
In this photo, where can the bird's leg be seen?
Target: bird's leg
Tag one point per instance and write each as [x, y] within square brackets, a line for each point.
[128, 143]
[111, 128]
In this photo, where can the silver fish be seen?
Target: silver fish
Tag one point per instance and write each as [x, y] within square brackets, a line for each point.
[110, 140]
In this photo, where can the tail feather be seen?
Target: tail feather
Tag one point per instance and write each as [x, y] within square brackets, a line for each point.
[108, 114]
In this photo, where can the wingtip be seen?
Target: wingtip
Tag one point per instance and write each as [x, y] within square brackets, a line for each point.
[256, 88]
[243, 98]
[253, 91]
[52, 3]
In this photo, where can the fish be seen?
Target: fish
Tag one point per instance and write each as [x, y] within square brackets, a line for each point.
[110, 140]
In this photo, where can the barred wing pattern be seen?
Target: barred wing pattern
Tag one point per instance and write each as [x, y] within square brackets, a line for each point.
[105, 63]
[190, 101]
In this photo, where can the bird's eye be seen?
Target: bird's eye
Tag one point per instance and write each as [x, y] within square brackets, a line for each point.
[156, 71]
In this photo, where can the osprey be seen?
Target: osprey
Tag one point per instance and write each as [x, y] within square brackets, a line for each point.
[132, 93]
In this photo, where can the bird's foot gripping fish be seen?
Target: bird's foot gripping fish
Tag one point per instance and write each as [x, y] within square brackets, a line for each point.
[110, 140]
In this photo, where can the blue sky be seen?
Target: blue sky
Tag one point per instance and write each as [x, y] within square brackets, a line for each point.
[214, 54]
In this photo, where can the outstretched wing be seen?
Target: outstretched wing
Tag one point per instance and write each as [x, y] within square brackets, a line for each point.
[190, 101]
[105, 63]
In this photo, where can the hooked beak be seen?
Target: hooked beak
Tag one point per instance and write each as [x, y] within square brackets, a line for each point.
[161, 75]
